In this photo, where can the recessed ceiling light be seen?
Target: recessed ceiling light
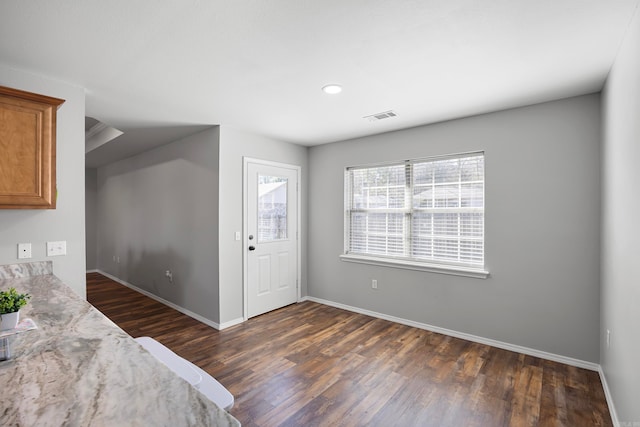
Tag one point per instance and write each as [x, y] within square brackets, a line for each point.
[332, 89]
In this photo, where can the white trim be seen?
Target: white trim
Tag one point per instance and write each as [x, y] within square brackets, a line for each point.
[487, 341]
[231, 323]
[172, 305]
[245, 265]
[93, 271]
[245, 213]
[245, 233]
[412, 265]
[607, 394]
[95, 129]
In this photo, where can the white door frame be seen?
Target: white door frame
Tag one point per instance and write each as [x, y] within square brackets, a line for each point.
[245, 218]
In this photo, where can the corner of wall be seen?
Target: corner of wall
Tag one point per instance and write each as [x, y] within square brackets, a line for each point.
[620, 228]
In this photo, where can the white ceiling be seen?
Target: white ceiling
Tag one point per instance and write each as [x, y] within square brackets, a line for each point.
[258, 65]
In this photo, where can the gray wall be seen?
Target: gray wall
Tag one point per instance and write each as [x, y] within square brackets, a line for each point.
[90, 202]
[235, 144]
[542, 229]
[621, 228]
[66, 222]
[158, 211]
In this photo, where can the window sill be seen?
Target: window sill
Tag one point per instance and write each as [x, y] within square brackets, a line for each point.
[477, 273]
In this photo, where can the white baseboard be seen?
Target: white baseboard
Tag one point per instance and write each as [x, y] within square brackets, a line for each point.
[494, 343]
[231, 323]
[469, 337]
[93, 271]
[487, 341]
[172, 305]
[607, 393]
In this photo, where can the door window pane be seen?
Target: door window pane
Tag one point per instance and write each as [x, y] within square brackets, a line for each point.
[272, 208]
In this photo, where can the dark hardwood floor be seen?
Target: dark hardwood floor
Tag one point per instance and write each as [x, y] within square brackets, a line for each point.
[313, 365]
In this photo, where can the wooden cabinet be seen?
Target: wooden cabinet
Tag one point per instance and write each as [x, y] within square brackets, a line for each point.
[27, 150]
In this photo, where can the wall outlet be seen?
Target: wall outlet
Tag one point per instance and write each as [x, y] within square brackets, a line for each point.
[169, 275]
[374, 284]
[608, 338]
[24, 250]
[57, 248]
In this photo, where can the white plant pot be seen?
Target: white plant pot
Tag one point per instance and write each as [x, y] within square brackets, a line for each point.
[9, 320]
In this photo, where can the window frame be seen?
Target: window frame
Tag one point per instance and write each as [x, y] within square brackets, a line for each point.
[409, 210]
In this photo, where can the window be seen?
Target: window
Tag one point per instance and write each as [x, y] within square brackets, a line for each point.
[425, 214]
[272, 208]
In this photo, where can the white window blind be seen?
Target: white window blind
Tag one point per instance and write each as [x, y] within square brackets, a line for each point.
[426, 210]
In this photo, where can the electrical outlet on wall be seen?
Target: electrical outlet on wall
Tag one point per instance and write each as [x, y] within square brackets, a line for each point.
[608, 338]
[24, 250]
[374, 284]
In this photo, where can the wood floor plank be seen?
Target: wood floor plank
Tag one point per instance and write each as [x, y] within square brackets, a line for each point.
[313, 365]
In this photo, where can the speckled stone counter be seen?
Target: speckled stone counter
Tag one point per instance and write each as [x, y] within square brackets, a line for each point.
[79, 369]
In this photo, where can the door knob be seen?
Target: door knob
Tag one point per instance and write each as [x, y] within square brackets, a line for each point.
[252, 248]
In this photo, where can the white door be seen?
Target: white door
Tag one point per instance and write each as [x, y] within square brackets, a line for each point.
[271, 233]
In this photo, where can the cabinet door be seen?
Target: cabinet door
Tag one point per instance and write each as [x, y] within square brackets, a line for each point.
[27, 150]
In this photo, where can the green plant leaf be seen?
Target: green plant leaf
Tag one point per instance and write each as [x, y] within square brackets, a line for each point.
[11, 301]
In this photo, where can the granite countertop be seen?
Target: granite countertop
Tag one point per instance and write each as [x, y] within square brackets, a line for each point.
[79, 369]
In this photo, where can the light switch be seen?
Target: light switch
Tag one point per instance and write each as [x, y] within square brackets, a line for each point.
[237, 235]
[24, 250]
[57, 248]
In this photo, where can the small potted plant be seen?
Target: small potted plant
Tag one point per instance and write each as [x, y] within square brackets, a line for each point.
[10, 304]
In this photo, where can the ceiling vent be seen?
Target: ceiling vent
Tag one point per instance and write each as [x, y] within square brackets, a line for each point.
[381, 116]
